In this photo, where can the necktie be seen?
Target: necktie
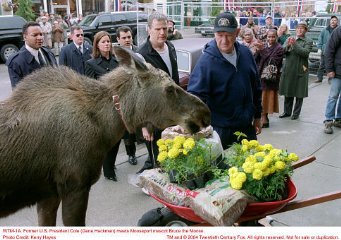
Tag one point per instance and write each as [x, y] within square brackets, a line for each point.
[80, 50]
[41, 60]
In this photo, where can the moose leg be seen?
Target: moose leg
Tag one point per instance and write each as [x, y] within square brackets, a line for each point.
[74, 206]
[47, 211]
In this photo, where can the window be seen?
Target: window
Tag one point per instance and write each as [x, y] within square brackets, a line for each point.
[104, 20]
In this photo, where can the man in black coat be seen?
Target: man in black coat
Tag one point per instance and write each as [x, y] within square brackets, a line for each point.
[32, 56]
[75, 54]
[161, 54]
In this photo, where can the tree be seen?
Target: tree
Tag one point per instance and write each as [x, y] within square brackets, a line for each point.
[25, 10]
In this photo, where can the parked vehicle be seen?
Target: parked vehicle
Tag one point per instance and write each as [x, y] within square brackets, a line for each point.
[188, 51]
[205, 29]
[10, 35]
[110, 21]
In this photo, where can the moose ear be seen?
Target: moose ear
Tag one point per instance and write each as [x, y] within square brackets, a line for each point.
[129, 59]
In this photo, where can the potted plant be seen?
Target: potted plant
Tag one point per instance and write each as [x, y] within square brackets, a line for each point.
[260, 170]
[187, 161]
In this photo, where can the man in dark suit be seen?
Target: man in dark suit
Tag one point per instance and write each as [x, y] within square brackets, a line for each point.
[75, 54]
[161, 54]
[32, 56]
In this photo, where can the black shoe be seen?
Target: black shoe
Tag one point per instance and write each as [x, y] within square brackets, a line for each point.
[294, 117]
[284, 115]
[132, 160]
[318, 81]
[112, 178]
[142, 169]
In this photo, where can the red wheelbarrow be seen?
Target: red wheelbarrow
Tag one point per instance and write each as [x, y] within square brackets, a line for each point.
[185, 216]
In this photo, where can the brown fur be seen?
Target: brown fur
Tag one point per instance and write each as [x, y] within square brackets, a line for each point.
[57, 126]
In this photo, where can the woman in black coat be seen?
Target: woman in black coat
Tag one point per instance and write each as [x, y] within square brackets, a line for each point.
[271, 53]
[101, 63]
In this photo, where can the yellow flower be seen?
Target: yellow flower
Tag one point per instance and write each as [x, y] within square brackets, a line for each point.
[235, 184]
[189, 143]
[293, 157]
[173, 153]
[160, 142]
[251, 159]
[280, 165]
[257, 174]
[268, 147]
[241, 177]
[245, 142]
[232, 170]
[177, 145]
[179, 139]
[168, 142]
[162, 148]
[259, 154]
[253, 143]
[244, 148]
[185, 152]
[162, 156]
[247, 167]
[259, 148]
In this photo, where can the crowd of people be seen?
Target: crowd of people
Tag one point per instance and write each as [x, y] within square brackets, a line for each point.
[238, 80]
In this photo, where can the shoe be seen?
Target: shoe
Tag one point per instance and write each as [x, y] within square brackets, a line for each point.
[112, 178]
[284, 115]
[337, 123]
[318, 81]
[132, 160]
[294, 117]
[328, 127]
[266, 125]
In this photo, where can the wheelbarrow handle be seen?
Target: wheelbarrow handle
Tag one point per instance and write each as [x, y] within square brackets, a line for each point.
[304, 161]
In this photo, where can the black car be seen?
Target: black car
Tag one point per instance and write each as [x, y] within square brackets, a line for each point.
[10, 35]
[109, 22]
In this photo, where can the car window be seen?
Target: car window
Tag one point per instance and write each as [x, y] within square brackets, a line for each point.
[118, 18]
[12, 22]
[87, 20]
[183, 59]
[104, 20]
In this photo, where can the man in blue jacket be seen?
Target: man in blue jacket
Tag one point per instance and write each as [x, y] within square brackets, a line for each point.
[226, 79]
[333, 69]
[32, 56]
[75, 54]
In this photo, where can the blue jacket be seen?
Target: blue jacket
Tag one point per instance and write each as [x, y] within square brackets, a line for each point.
[71, 57]
[23, 63]
[233, 94]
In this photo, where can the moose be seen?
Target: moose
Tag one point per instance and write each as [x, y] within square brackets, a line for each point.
[57, 126]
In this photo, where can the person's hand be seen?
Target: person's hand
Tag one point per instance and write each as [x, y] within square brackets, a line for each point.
[319, 51]
[331, 74]
[257, 124]
[146, 135]
[291, 41]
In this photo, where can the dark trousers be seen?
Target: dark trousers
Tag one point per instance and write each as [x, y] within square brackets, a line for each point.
[321, 70]
[288, 104]
[227, 136]
[110, 159]
[153, 151]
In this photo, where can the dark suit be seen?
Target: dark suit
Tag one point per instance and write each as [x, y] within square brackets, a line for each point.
[153, 57]
[23, 63]
[71, 57]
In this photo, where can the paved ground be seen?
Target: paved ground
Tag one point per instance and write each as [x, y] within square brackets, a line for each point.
[121, 204]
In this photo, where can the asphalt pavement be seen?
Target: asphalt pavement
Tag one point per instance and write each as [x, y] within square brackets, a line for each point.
[121, 204]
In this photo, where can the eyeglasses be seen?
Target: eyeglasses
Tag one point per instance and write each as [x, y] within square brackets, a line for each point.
[79, 34]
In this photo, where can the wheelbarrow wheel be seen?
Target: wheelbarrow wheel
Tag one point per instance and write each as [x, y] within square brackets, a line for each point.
[163, 217]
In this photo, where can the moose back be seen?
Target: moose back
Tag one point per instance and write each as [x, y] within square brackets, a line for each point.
[57, 126]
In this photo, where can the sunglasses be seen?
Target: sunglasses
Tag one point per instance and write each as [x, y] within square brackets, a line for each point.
[77, 35]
